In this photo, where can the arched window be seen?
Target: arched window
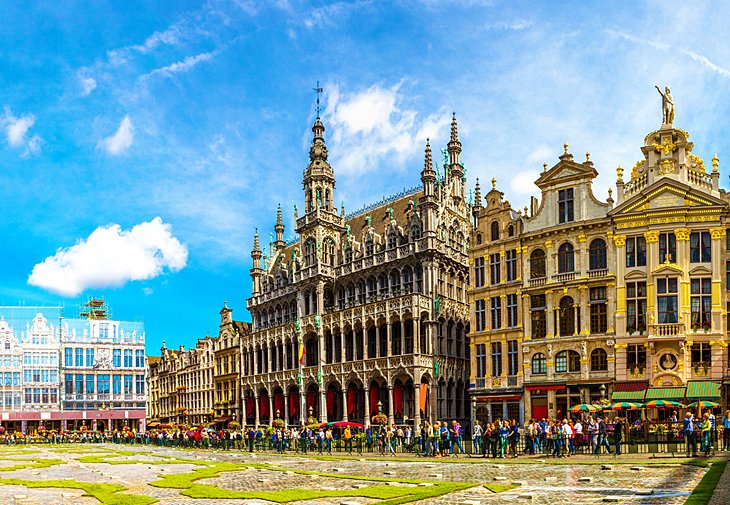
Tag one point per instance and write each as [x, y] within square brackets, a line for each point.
[328, 252]
[395, 281]
[537, 264]
[311, 358]
[495, 230]
[567, 361]
[599, 360]
[567, 316]
[310, 252]
[597, 255]
[511, 231]
[539, 364]
[415, 232]
[348, 254]
[369, 246]
[408, 279]
[566, 260]
[479, 238]
[392, 240]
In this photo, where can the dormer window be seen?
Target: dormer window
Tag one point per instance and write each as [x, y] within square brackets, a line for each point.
[565, 206]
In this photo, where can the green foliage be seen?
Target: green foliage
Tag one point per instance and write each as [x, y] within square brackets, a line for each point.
[702, 494]
[107, 494]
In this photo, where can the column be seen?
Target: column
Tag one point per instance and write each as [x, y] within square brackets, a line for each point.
[417, 413]
[585, 316]
[285, 414]
[682, 261]
[551, 330]
[322, 404]
[389, 333]
[272, 414]
[581, 251]
[620, 264]
[652, 259]
[243, 409]
[344, 404]
[303, 414]
[343, 355]
[377, 341]
[416, 334]
[717, 235]
[367, 407]
[256, 408]
[526, 315]
[391, 419]
[402, 336]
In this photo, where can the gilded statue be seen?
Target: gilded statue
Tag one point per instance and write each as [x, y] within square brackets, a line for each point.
[667, 105]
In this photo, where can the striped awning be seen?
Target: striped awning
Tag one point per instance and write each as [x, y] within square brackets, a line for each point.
[629, 391]
[703, 390]
[670, 393]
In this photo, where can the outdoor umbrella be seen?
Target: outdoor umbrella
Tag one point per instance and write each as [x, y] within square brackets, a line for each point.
[584, 407]
[626, 406]
[342, 424]
[662, 404]
[315, 425]
[704, 404]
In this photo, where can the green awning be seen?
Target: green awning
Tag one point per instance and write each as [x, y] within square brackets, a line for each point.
[621, 396]
[703, 390]
[670, 393]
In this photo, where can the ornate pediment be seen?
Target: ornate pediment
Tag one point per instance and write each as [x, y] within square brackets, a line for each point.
[566, 170]
[667, 268]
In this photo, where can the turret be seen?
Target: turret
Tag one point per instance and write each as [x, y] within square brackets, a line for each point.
[429, 204]
[477, 197]
[319, 180]
[279, 229]
[456, 170]
[256, 271]
[428, 175]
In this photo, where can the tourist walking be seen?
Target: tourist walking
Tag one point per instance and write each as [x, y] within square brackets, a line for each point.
[689, 434]
[477, 438]
[618, 429]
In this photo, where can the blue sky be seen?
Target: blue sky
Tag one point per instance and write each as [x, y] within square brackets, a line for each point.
[141, 143]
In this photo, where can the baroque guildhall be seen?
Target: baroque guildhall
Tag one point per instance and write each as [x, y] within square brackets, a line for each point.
[578, 300]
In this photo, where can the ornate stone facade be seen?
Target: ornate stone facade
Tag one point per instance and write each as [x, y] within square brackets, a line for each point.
[373, 303]
[613, 298]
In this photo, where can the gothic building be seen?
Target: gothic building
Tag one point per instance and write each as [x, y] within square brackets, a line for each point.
[576, 300]
[364, 312]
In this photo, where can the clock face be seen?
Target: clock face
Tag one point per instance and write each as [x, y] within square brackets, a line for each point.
[668, 361]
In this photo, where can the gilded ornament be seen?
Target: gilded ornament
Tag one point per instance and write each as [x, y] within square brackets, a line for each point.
[635, 170]
[665, 147]
[548, 243]
[715, 163]
[619, 240]
[666, 167]
[582, 238]
[682, 234]
[697, 163]
[718, 233]
[651, 236]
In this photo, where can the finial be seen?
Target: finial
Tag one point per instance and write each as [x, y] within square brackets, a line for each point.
[588, 156]
[256, 240]
[544, 167]
[494, 183]
[525, 210]
[565, 148]
[319, 91]
[428, 163]
[225, 304]
[620, 173]
[454, 129]
[279, 219]
[715, 163]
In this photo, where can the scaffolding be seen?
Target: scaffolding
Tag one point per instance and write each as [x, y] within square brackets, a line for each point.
[94, 309]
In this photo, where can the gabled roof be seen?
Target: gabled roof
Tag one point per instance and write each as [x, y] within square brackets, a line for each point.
[566, 170]
[678, 194]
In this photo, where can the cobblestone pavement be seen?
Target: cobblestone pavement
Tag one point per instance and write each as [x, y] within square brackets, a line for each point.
[540, 483]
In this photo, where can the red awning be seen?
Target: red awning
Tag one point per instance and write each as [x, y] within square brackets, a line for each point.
[630, 386]
[498, 398]
[546, 387]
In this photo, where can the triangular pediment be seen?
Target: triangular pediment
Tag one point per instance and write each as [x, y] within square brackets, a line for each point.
[664, 194]
[566, 170]
[668, 269]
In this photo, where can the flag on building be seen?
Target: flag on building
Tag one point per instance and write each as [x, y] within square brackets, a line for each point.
[302, 352]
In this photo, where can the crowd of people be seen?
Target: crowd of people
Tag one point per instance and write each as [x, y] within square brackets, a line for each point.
[498, 439]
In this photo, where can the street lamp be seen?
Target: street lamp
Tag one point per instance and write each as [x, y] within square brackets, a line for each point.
[602, 389]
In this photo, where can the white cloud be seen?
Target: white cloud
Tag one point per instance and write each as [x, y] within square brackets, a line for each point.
[111, 257]
[121, 140]
[516, 25]
[148, 291]
[182, 66]
[370, 127]
[88, 84]
[16, 130]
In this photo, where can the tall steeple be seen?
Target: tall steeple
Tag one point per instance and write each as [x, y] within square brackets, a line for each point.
[256, 271]
[319, 179]
[279, 229]
[428, 175]
[477, 196]
[454, 146]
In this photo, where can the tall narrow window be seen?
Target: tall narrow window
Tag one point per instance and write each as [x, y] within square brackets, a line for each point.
[494, 269]
[538, 318]
[479, 272]
[699, 247]
[667, 300]
[481, 360]
[597, 255]
[567, 317]
[566, 259]
[496, 359]
[481, 315]
[565, 205]
[701, 302]
[496, 312]
[636, 252]
[635, 307]
[667, 247]
[511, 263]
[511, 310]
[537, 264]
[495, 230]
[599, 319]
[512, 361]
